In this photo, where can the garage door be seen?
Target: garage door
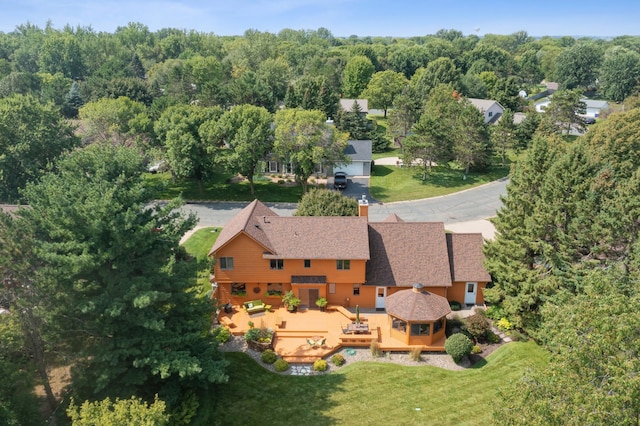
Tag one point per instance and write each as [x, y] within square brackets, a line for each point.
[353, 169]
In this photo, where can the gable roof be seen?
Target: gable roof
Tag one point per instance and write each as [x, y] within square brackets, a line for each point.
[298, 237]
[404, 253]
[484, 104]
[393, 218]
[359, 150]
[347, 105]
[245, 221]
[466, 257]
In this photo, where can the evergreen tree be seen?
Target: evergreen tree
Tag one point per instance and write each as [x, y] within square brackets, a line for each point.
[72, 101]
[122, 291]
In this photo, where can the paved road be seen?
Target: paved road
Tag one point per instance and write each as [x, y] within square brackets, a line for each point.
[466, 206]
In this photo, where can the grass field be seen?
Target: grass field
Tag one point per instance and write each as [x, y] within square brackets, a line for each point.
[391, 183]
[198, 246]
[369, 393]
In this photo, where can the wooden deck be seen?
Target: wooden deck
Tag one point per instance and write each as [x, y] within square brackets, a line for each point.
[293, 331]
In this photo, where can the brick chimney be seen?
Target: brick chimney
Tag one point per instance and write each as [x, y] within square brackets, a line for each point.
[363, 207]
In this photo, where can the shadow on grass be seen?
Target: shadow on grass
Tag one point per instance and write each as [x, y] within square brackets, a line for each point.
[255, 396]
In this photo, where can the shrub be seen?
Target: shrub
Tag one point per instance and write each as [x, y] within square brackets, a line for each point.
[221, 334]
[453, 325]
[492, 337]
[268, 356]
[476, 349]
[477, 325]
[458, 346]
[258, 335]
[376, 352]
[504, 324]
[281, 365]
[416, 354]
[495, 312]
[338, 360]
[320, 365]
[518, 336]
[455, 306]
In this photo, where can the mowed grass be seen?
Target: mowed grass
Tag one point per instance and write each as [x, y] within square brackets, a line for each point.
[198, 246]
[369, 393]
[201, 241]
[391, 183]
[220, 188]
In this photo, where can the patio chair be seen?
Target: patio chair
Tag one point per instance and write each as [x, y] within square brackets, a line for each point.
[321, 341]
[311, 342]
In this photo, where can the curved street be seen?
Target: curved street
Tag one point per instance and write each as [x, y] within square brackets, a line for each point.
[465, 211]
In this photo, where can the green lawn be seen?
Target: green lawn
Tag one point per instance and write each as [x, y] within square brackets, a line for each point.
[219, 188]
[198, 246]
[370, 393]
[391, 183]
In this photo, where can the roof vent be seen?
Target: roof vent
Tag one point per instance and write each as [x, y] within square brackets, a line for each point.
[417, 288]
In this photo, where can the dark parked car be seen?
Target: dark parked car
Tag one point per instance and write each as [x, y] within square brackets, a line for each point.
[340, 180]
[589, 120]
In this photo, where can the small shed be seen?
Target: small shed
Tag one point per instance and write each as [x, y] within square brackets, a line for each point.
[416, 316]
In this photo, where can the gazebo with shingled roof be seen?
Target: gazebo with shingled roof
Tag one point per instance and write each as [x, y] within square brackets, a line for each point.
[416, 316]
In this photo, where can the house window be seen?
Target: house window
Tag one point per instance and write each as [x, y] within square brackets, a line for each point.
[398, 324]
[226, 263]
[273, 167]
[356, 289]
[239, 289]
[274, 289]
[420, 329]
[307, 263]
[437, 326]
[490, 114]
[277, 264]
[332, 288]
[343, 264]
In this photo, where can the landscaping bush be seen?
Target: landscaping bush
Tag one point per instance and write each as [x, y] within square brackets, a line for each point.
[495, 312]
[476, 349]
[504, 324]
[477, 326]
[458, 346]
[320, 365]
[416, 354]
[338, 360]
[376, 352]
[268, 356]
[518, 336]
[455, 306]
[252, 334]
[492, 337]
[453, 325]
[281, 365]
[221, 334]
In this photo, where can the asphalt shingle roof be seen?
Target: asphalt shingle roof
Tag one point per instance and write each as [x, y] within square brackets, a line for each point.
[466, 257]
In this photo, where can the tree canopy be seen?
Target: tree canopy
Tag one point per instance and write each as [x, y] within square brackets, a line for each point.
[323, 202]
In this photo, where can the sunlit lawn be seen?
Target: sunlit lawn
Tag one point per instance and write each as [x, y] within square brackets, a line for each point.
[198, 246]
[371, 393]
[391, 183]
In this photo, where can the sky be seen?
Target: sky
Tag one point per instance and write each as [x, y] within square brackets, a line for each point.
[396, 18]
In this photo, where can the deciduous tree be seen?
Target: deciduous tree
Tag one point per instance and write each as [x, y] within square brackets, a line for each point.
[356, 76]
[323, 202]
[382, 89]
[304, 139]
[32, 136]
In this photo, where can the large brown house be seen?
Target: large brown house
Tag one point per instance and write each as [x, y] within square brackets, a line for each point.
[348, 260]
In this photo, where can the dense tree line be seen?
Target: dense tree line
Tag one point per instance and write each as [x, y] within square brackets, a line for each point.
[565, 270]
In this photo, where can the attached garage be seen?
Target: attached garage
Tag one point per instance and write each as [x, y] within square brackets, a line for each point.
[360, 154]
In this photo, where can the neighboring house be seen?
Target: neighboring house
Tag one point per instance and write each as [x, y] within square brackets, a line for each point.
[492, 110]
[347, 105]
[348, 260]
[594, 107]
[360, 153]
